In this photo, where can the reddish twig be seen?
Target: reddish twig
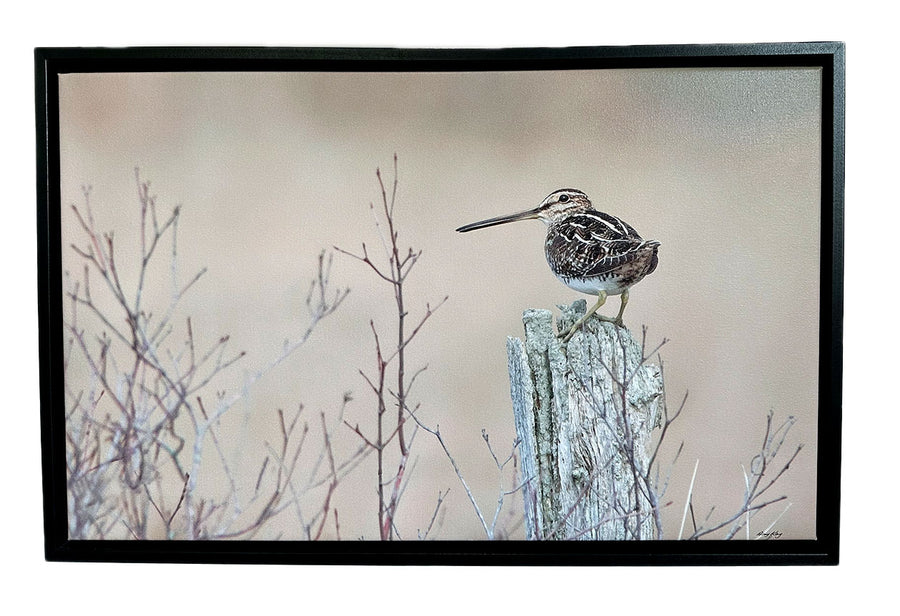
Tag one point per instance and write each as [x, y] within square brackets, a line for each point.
[391, 362]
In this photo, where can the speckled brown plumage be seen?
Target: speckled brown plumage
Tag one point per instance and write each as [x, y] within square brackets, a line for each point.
[588, 250]
[594, 245]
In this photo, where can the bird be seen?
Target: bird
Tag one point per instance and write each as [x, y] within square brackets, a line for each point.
[588, 250]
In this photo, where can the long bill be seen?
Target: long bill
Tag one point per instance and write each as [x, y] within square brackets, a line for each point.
[499, 220]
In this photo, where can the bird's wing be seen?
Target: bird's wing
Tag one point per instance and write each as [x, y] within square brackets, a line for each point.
[593, 244]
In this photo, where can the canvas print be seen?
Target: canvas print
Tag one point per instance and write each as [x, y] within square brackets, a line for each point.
[534, 305]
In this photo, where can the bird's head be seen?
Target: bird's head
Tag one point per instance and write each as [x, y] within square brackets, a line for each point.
[557, 205]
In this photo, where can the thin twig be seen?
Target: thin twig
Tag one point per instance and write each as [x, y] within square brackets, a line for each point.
[688, 501]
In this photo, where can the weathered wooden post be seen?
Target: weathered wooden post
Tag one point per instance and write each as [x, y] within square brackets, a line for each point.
[584, 415]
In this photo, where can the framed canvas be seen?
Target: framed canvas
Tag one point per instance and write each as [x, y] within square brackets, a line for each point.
[283, 319]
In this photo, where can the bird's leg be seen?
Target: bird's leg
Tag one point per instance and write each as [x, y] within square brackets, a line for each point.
[567, 335]
[618, 319]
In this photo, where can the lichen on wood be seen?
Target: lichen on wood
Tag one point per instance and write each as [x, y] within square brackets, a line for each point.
[584, 413]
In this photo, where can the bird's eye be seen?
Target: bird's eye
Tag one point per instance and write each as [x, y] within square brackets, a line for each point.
[563, 198]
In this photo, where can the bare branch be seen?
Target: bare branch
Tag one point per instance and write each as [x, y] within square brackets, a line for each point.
[390, 361]
[437, 507]
[135, 445]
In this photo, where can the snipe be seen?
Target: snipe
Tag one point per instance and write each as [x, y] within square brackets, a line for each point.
[588, 250]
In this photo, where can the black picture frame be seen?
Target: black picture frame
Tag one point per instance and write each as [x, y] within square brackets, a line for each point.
[52, 62]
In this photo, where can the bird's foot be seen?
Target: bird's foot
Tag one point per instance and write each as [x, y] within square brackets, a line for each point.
[617, 321]
[566, 335]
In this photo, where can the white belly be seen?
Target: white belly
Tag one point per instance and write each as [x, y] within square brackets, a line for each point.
[593, 286]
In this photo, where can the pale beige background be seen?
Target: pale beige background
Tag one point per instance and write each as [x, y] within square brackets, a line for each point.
[720, 166]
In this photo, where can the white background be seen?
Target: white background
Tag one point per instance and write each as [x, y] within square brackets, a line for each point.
[869, 509]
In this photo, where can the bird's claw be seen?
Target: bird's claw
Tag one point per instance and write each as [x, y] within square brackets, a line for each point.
[566, 335]
[617, 321]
